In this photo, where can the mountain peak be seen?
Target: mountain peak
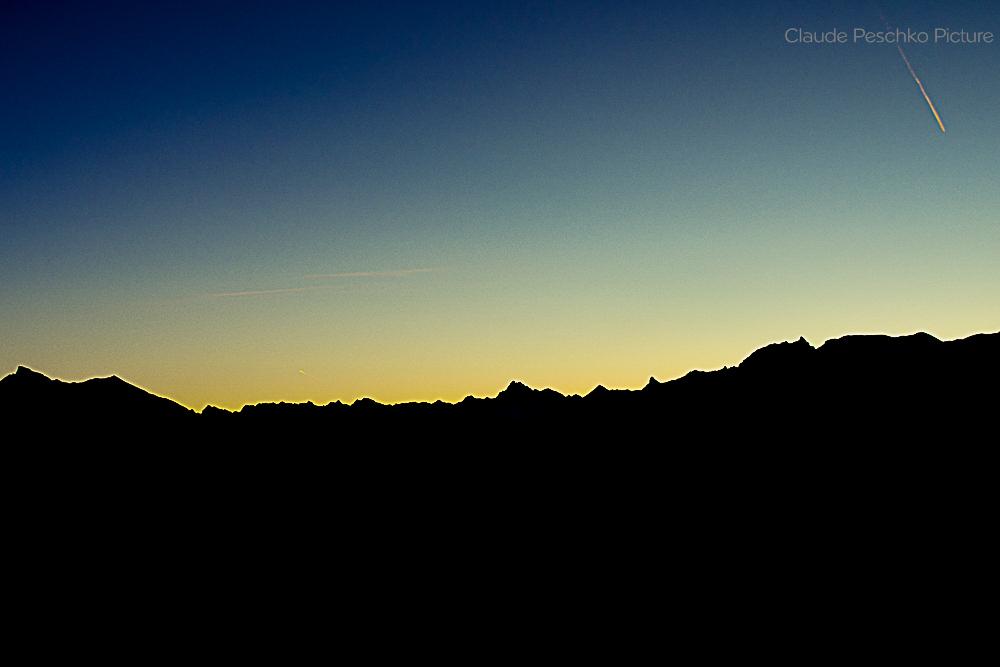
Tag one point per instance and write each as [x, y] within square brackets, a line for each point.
[599, 390]
[779, 355]
[516, 388]
[26, 379]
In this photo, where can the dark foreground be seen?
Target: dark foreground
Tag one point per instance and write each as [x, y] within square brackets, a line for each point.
[806, 502]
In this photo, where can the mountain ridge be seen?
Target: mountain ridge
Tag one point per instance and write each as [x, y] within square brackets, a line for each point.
[856, 374]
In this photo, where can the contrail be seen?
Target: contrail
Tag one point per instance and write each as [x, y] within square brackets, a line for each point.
[910, 67]
[929, 103]
[403, 272]
[397, 273]
[272, 291]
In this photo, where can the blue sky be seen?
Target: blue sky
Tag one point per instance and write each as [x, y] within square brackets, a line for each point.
[413, 201]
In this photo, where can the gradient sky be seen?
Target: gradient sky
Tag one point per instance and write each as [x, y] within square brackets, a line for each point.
[232, 203]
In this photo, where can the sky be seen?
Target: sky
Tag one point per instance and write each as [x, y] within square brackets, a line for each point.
[230, 203]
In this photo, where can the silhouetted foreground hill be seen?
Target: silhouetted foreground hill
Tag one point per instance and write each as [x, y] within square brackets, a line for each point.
[844, 485]
[851, 388]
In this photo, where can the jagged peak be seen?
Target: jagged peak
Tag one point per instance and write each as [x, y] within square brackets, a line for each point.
[366, 403]
[599, 390]
[516, 388]
[780, 353]
[652, 384]
[24, 375]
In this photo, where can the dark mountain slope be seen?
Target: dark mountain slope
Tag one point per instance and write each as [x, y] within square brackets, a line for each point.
[50, 406]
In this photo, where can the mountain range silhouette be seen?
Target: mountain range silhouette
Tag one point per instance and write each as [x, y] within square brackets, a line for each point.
[862, 470]
[855, 387]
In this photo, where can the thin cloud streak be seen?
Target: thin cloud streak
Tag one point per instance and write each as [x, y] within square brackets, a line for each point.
[272, 291]
[396, 273]
[403, 272]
